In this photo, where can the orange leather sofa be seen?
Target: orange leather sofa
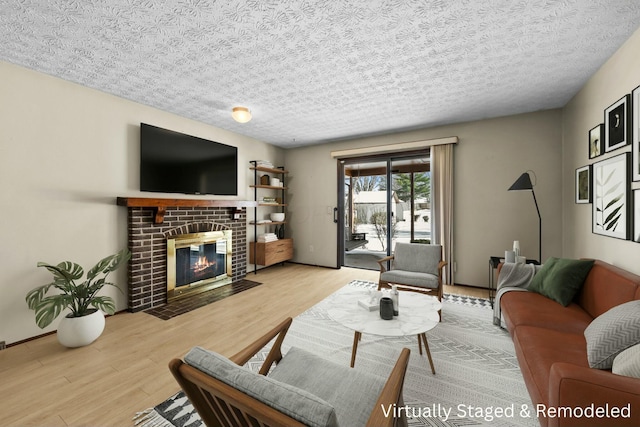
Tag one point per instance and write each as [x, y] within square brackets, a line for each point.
[552, 351]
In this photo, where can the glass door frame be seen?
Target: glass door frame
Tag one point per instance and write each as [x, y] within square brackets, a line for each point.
[339, 215]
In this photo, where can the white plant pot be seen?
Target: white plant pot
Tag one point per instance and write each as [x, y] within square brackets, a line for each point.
[81, 331]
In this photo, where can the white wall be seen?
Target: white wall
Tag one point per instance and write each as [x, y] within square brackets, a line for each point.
[66, 153]
[617, 77]
[490, 156]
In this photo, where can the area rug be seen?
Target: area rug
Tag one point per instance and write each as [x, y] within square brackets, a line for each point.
[477, 380]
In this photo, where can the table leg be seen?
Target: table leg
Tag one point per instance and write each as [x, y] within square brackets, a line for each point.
[356, 338]
[420, 344]
[426, 347]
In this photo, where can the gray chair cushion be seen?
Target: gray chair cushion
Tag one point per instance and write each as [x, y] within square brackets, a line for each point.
[297, 403]
[351, 392]
[417, 257]
[423, 280]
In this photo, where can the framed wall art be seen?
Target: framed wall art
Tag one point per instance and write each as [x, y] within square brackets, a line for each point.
[583, 184]
[595, 141]
[636, 216]
[616, 124]
[635, 133]
[610, 186]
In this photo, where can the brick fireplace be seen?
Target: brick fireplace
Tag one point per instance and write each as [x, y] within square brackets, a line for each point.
[148, 234]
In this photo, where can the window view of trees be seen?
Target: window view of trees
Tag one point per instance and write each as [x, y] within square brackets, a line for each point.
[369, 207]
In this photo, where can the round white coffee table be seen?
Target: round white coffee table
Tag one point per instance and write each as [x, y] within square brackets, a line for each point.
[417, 314]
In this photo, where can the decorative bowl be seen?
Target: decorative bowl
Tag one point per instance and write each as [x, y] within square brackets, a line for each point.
[277, 216]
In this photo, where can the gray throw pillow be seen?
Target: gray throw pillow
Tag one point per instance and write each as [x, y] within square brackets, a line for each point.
[627, 363]
[611, 333]
[296, 403]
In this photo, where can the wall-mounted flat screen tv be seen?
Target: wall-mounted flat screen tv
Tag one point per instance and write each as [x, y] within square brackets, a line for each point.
[172, 162]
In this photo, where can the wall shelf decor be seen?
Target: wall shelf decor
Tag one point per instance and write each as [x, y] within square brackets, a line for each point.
[616, 124]
[611, 189]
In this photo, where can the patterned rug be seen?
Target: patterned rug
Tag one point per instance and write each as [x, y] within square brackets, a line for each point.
[477, 379]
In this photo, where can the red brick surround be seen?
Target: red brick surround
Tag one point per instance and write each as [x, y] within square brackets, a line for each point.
[148, 245]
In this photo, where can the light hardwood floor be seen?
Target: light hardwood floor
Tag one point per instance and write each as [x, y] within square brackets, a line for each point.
[125, 370]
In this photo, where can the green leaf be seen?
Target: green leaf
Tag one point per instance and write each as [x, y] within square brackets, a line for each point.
[50, 308]
[65, 271]
[104, 303]
[122, 256]
[101, 266]
[35, 296]
[97, 285]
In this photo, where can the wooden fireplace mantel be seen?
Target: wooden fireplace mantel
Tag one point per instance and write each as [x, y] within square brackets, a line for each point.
[160, 205]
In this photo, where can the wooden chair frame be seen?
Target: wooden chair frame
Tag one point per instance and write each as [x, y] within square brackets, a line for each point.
[221, 405]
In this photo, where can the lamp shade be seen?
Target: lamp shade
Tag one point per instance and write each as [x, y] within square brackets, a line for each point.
[522, 183]
[241, 114]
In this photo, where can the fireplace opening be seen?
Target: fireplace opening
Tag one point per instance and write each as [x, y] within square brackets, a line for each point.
[198, 262]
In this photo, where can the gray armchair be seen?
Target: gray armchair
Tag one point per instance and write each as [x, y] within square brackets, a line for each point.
[414, 267]
[301, 390]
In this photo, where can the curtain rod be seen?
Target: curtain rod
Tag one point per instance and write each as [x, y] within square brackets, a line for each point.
[393, 148]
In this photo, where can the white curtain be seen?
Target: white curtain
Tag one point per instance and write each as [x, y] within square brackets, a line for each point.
[442, 204]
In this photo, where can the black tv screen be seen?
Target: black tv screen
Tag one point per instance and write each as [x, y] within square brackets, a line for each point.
[172, 162]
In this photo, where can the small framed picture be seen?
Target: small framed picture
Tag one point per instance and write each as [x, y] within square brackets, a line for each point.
[635, 133]
[595, 141]
[611, 197]
[616, 124]
[583, 184]
[636, 216]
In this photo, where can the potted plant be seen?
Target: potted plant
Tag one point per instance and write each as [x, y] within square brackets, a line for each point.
[86, 321]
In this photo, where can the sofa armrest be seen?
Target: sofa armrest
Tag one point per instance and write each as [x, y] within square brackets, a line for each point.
[579, 387]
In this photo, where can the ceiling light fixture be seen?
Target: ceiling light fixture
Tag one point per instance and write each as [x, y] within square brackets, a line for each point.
[241, 114]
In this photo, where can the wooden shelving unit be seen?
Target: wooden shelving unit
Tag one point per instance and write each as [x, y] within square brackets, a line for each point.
[269, 253]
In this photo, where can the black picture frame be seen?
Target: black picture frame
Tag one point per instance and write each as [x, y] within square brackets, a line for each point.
[616, 124]
[636, 216]
[596, 136]
[584, 193]
[635, 134]
[611, 205]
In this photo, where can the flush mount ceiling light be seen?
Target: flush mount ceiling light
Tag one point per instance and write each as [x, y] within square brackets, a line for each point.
[241, 114]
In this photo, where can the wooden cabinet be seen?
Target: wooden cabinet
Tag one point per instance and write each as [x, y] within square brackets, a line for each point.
[271, 252]
[269, 189]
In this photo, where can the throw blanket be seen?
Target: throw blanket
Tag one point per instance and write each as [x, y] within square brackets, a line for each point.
[513, 277]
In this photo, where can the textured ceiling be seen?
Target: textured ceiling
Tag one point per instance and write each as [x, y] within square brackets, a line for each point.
[323, 70]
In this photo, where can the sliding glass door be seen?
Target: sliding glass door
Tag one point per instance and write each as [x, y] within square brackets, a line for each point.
[382, 200]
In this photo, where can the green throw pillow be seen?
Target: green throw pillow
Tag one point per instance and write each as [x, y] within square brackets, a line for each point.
[560, 279]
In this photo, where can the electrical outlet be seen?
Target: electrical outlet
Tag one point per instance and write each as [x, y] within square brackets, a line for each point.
[3, 345]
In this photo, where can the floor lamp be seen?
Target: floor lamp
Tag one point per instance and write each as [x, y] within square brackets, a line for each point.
[524, 183]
